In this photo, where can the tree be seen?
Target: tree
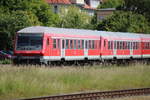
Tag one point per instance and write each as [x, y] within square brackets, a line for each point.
[73, 17]
[17, 14]
[111, 4]
[10, 23]
[125, 22]
[137, 6]
[38, 7]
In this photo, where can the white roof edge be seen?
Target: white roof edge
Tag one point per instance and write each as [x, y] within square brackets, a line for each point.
[43, 29]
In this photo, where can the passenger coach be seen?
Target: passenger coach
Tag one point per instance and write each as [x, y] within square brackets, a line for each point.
[47, 44]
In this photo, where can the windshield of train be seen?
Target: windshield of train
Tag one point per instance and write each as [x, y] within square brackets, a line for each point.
[29, 41]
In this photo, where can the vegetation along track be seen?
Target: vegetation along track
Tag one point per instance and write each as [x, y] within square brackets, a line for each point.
[96, 95]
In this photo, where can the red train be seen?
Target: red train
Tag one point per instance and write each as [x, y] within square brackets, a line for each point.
[47, 44]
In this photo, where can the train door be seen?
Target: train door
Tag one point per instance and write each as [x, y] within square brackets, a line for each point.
[86, 48]
[115, 48]
[131, 49]
[63, 48]
[48, 46]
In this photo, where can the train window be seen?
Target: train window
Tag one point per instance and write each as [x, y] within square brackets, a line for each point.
[93, 42]
[131, 45]
[71, 44]
[123, 45]
[63, 44]
[54, 43]
[82, 44]
[75, 44]
[118, 45]
[136, 45]
[58, 43]
[104, 43]
[47, 42]
[95, 45]
[89, 44]
[128, 45]
[109, 45]
[67, 44]
[115, 44]
[86, 44]
[147, 45]
[79, 44]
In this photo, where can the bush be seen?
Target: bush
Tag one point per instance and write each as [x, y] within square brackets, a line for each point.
[6, 61]
[125, 22]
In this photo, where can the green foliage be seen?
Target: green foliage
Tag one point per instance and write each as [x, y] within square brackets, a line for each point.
[73, 17]
[6, 61]
[111, 4]
[125, 22]
[138, 6]
[18, 14]
[10, 23]
[38, 7]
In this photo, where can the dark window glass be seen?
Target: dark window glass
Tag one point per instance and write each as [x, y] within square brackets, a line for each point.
[118, 45]
[29, 41]
[111, 44]
[79, 44]
[93, 42]
[47, 41]
[75, 44]
[104, 43]
[58, 43]
[67, 44]
[115, 44]
[90, 46]
[63, 44]
[86, 44]
[82, 44]
[71, 44]
[54, 43]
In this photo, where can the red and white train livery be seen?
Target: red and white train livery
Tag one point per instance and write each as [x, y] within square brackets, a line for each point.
[47, 44]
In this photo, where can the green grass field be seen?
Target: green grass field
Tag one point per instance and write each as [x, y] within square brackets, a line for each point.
[29, 81]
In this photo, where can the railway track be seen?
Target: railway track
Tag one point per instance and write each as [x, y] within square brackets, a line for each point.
[96, 95]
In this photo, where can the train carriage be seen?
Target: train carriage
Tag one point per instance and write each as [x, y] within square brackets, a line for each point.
[145, 41]
[46, 44]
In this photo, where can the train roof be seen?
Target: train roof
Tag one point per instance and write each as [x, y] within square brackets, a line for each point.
[42, 29]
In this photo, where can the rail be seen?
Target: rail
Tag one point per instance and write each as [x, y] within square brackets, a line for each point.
[96, 95]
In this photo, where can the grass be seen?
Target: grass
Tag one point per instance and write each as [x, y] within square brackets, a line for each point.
[29, 81]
